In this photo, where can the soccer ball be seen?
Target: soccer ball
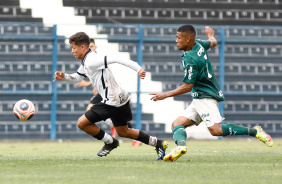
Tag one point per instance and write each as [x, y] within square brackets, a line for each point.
[24, 110]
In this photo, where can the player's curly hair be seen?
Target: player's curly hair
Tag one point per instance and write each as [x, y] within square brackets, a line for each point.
[187, 28]
[80, 38]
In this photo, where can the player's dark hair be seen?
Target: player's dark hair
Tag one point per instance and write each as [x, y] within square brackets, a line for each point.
[187, 28]
[92, 40]
[80, 38]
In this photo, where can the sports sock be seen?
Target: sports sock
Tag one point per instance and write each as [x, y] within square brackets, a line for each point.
[142, 137]
[129, 125]
[233, 129]
[150, 140]
[105, 137]
[179, 135]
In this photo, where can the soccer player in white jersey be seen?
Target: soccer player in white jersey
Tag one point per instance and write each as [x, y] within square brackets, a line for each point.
[200, 79]
[116, 101]
[96, 97]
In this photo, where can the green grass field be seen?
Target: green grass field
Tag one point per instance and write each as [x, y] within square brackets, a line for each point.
[74, 162]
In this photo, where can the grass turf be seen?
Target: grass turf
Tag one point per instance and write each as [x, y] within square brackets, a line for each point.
[74, 162]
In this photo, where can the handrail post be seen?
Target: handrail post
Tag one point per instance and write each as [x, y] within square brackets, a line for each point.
[53, 130]
[221, 68]
[138, 113]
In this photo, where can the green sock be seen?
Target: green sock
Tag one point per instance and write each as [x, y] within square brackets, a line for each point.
[233, 129]
[179, 135]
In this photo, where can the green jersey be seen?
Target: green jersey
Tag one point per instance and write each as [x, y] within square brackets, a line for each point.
[198, 71]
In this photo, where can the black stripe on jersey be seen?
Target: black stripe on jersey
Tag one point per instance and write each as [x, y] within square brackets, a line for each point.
[84, 58]
[102, 78]
[106, 95]
[105, 62]
[81, 74]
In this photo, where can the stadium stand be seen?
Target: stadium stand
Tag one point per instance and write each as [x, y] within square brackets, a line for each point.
[10, 11]
[253, 84]
[27, 64]
[226, 12]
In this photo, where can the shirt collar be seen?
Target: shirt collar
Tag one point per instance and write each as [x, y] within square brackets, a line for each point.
[195, 47]
[84, 58]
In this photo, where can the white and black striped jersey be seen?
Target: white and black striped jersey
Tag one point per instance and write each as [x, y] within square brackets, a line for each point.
[95, 67]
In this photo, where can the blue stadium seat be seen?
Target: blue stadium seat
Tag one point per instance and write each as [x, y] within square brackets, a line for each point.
[181, 14]
[196, 14]
[245, 15]
[115, 12]
[15, 128]
[6, 11]
[147, 13]
[164, 13]
[258, 15]
[43, 106]
[252, 33]
[68, 127]
[228, 14]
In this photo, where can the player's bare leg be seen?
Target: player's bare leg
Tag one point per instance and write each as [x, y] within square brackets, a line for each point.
[84, 124]
[89, 106]
[94, 130]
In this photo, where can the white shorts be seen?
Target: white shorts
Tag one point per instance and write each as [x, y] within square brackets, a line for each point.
[205, 109]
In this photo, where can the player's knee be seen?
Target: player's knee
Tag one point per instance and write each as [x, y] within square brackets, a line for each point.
[80, 123]
[174, 124]
[122, 133]
[215, 131]
[89, 107]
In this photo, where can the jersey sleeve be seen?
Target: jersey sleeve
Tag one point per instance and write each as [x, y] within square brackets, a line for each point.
[205, 43]
[76, 77]
[124, 61]
[81, 71]
[191, 73]
[99, 62]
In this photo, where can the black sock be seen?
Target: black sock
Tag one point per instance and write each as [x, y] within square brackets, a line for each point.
[129, 125]
[100, 135]
[159, 143]
[143, 137]
[252, 132]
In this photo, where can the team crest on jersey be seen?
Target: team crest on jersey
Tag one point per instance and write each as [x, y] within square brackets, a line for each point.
[123, 96]
[87, 71]
[183, 65]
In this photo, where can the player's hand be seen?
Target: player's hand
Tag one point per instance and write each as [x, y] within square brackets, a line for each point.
[209, 31]
[59, 76]
[210, 34]
[158, 96]
[142, 73]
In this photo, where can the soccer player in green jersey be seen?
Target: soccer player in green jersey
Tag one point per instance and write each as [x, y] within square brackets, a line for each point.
[200, 79]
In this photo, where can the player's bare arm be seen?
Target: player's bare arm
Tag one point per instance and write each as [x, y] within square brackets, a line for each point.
[95, 91]
[210, 34]
[141, 73]
[59, 76]
[184, 88]
[68, 77]
[84, 83]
